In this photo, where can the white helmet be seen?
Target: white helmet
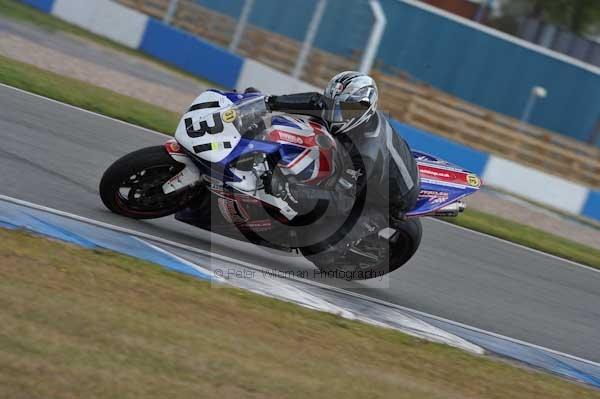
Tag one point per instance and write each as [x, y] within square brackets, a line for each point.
[351, 101]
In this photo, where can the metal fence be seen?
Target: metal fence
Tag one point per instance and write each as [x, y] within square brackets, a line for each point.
[561, 40]
[241, 26]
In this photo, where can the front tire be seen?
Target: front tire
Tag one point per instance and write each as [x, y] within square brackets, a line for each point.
[132, 185]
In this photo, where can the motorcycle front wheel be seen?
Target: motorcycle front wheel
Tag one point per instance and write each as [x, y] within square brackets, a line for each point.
[132, 185]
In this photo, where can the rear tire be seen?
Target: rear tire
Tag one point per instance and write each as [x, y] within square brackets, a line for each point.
[132, 185]
[400, 252]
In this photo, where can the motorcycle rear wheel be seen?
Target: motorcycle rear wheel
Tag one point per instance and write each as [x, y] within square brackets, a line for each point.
[132, 185]
[397, 254]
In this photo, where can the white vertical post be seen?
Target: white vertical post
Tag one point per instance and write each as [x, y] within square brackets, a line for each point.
[375, 39]
[537, 92]
[171, 12]
[241, 26]
[311, 33]
[480, 11]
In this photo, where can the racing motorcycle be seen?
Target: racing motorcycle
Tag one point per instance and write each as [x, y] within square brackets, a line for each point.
[226, 171]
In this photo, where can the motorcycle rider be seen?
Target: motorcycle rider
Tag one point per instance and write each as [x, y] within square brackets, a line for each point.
[375, 179]
[382, 162]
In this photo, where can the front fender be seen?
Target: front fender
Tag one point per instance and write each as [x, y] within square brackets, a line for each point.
[189, 176]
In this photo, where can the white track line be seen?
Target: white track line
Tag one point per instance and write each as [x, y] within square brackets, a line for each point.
[303, 281]
[167, 136]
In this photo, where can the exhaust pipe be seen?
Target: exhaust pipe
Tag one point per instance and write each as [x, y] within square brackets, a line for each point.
[450, 210]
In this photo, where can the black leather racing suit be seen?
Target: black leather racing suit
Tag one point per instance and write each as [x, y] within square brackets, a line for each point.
[383, 170]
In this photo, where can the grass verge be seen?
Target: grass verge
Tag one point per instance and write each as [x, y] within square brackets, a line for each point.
[527, 236]
[84, 95]
[78, 323]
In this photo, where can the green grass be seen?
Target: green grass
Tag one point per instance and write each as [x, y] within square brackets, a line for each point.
[81, 94]
[93, 324]
[17, 11]
[527, 236]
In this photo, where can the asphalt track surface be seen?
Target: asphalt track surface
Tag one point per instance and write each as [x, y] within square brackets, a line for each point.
[54, 155]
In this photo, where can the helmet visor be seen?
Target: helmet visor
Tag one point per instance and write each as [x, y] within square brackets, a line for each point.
[342, 111]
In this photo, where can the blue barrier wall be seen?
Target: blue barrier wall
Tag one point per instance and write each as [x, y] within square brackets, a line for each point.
[467, 158]
[191, 54]
[592, 205]
[455, 57]
[43, 5]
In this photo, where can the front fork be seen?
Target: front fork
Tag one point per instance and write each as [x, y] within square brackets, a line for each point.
[189, 176]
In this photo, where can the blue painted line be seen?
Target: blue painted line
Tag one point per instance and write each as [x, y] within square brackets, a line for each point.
[588, 373]
[14, 216]
[7, 225]
[19, 219]
[59, 232]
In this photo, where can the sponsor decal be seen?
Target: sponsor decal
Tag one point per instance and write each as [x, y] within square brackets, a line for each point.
[291, 138]
[435, 197]
[473, 180]
[436, 173]
[354, 174]
[229, 116]
[214, 146]
[280, 135]
[448, 176]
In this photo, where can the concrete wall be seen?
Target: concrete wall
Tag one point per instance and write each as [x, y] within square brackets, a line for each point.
[531, 183]
[104, 17]
[269, 80]
[228, 70]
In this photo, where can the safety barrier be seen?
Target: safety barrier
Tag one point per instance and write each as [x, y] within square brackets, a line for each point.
[208, 61]
[186, 52]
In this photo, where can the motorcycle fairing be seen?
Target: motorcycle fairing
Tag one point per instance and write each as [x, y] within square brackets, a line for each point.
[442, 183]
[306, 147]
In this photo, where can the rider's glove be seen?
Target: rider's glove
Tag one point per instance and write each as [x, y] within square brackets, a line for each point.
[301, 103]
[270, 102]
